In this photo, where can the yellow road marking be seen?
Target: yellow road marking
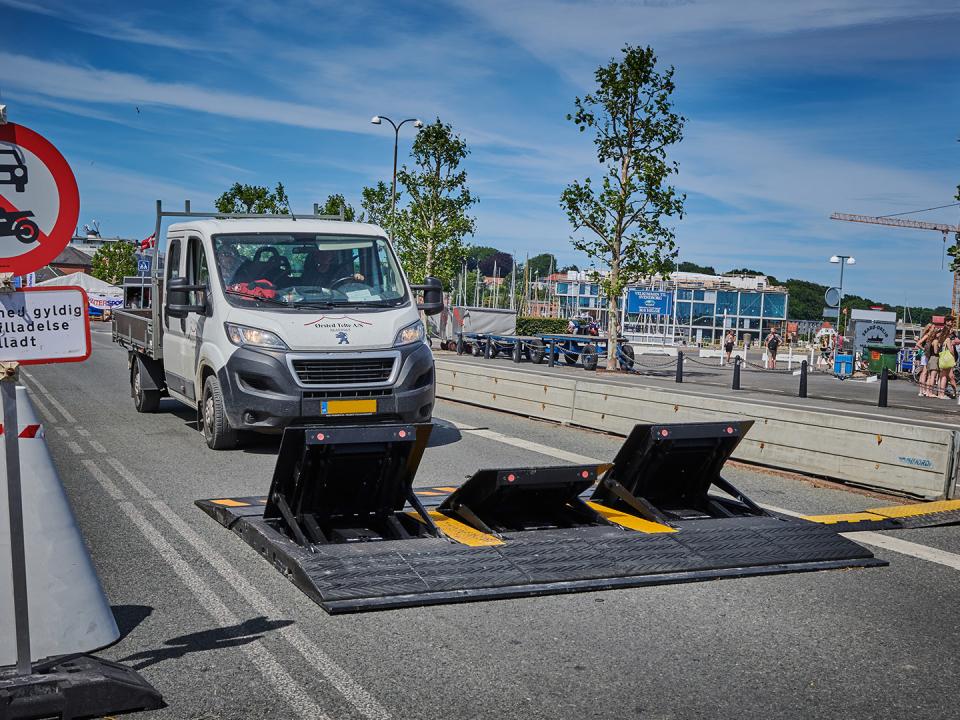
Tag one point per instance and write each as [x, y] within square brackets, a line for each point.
[897, 511]
[631, 522]
[428, 492]
[448, 489]
[227, 502]
[843, 517]
[456, 530]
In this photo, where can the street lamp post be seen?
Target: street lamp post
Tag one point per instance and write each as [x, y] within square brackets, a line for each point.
[841, 260]
[376, 120]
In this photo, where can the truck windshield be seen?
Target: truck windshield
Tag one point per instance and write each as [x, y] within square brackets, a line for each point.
[308, 269]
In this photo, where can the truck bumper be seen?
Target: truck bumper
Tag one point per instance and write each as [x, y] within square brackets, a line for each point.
[261, 394]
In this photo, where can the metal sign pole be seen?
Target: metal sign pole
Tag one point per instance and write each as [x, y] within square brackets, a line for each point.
[11, 441]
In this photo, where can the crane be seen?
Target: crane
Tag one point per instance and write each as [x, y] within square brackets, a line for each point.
[917, 225]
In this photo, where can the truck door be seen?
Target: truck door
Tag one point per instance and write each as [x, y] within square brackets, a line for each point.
[197, 273]
[175, 329]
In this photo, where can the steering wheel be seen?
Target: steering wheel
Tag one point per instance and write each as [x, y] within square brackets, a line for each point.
[347, 279]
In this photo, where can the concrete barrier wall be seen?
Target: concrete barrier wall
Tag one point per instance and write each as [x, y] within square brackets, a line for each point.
[883, 454]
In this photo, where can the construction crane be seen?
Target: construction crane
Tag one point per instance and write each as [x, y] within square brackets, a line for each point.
[916, 225]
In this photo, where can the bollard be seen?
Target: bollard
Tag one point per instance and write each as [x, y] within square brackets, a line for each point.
[486, 348]
[553, 355]
[460, 343]
[516, 349]
[679, 366]
[882, 402]
[736, 373]
[803, 378]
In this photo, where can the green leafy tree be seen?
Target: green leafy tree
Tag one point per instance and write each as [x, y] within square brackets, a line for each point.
[254, 199]
[633, 123]
[542, 265]
[433, 200]
[334, 203]
[694, 268]
[112, 261]
[476, 254]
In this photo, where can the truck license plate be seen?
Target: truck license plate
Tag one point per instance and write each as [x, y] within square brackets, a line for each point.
[348, 407]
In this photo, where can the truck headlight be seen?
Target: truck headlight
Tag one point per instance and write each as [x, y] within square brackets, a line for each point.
[410, 334]
[243, 335]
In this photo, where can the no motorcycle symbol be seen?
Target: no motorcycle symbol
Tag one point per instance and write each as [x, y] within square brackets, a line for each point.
[39, 201]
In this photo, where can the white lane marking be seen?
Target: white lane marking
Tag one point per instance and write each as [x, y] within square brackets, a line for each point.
[62, 431]
[97, 446]
[905, 547]
[75, 447]
[41, 406]
[53, 401]
[364, 703]
[262, 659]
[528, 445]
[82, 431]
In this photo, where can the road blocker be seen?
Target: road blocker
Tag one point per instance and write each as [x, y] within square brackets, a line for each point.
[345, 524]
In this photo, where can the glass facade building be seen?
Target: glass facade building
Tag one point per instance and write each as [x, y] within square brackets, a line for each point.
[698, 309]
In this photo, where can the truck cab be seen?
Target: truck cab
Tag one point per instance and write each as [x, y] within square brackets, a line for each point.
[267, 322]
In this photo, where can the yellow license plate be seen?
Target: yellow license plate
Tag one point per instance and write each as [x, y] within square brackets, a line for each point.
[348, 407]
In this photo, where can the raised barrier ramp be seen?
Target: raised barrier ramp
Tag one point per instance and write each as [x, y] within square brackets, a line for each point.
[344, 522]
[881, 453]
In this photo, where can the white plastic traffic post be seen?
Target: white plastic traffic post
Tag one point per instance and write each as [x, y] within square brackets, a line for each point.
[18, 562]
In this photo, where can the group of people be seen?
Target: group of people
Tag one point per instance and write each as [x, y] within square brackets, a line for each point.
[938, 346]
[772, 343]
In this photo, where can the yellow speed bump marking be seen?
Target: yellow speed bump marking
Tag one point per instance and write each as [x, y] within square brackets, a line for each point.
[631, 522]
[456, 530]
[928, 508]
[843, 517]
[227, 502]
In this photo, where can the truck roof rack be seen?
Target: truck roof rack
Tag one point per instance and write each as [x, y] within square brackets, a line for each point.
[187, 212]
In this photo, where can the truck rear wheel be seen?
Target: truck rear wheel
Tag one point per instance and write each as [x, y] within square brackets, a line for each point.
[146, 401]
[216, 427]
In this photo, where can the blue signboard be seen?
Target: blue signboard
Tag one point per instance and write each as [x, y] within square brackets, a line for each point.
[143, 266]
[649, 302]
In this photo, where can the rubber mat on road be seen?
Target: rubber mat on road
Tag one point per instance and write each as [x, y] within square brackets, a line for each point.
[359, 577]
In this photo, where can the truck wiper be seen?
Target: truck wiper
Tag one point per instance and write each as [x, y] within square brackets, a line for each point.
[260, 298]
[364, 303]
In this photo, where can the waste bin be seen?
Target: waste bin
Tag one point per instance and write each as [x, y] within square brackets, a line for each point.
[879, 357]
[842, 364]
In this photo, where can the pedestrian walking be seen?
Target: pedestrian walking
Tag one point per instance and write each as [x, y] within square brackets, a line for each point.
[772, 344]
[728, 342]
[923, 349]
[946, 358]
[932, 350]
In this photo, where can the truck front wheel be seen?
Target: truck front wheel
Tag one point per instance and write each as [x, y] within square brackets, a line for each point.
[146, 401]
[216, 427]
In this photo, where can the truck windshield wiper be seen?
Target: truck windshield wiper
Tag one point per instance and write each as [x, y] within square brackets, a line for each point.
[259, 298]
[364, 303]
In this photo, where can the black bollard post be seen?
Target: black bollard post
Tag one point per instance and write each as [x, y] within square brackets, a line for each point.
[736, 373]
[517, 346]
[486, 348]
[803, 379]
[459, 343]
[679, 366]
[553, 354]
[883, 389]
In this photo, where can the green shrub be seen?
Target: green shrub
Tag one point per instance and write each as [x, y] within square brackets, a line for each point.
[537, 325]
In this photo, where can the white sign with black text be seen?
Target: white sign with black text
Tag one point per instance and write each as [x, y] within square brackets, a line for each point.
[44, 325]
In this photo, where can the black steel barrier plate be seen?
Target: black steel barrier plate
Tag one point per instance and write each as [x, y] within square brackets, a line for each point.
[425, 571]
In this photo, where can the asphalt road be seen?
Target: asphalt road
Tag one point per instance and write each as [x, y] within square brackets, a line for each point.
[222, 635]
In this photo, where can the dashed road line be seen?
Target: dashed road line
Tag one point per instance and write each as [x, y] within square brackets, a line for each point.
[356, 695]
[905, 547]
[75, 447]
[338, 678]
[261, 658]
[53, 401]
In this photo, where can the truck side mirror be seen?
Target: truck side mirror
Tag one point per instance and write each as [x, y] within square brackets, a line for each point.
[432, 290]
[178, 297]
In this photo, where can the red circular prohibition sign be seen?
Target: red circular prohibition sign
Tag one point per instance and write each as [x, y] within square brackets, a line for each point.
[58, 238]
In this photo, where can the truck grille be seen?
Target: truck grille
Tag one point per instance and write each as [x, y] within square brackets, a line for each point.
[346, 371]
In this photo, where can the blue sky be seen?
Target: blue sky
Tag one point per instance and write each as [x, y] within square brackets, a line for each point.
[795, 109]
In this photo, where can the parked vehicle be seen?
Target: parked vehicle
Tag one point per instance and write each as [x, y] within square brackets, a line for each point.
[259, 323]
